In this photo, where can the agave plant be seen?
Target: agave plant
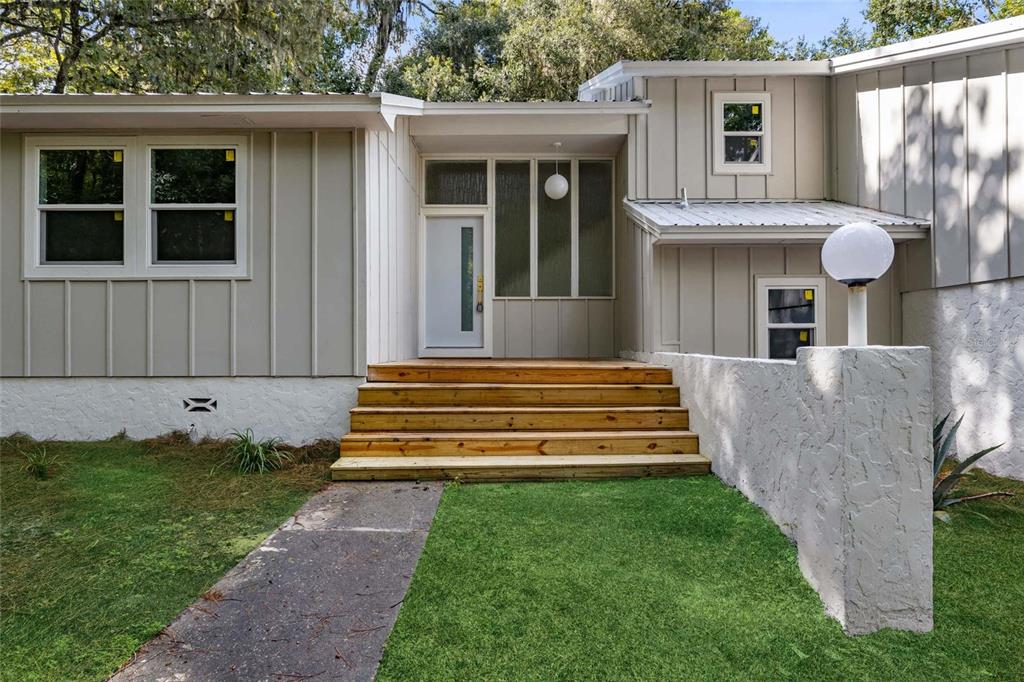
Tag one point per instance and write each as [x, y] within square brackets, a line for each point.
[943, 487]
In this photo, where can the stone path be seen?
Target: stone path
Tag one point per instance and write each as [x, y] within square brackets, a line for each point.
[315, 601]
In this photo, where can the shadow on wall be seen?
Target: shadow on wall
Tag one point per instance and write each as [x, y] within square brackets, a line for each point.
[975, 332]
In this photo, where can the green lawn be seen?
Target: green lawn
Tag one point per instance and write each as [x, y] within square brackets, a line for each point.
[100, 557]
[664, 579]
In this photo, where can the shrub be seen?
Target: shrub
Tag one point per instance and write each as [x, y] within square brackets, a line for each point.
[943, 486]
[253, 456]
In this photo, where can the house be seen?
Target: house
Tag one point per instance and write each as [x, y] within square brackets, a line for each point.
[220, 261]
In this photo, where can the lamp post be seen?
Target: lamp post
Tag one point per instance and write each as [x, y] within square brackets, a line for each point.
[856, 255]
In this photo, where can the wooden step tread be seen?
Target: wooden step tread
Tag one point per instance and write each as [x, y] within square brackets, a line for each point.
[521, 371]
[515, 435]
[436, 393]
[518, 468]
[515, 417]
[518, 443]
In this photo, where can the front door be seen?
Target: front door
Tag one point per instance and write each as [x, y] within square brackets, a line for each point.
[454, 284]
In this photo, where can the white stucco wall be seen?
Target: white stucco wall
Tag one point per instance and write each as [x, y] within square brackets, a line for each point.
[836, 448]
[297, 410]
[976, 333]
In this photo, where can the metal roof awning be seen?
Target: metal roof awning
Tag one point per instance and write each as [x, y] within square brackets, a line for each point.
[760, 221]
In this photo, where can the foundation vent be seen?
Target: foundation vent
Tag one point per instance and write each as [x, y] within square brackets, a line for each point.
[200, 404]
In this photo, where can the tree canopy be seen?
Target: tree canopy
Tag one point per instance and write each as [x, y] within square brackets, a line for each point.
[434, 49]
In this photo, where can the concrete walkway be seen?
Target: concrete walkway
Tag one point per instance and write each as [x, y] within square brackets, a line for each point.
[316, 600]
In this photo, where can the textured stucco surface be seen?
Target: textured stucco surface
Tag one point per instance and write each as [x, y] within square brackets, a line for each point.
[836, 448]
[296, 410]
[976, 333]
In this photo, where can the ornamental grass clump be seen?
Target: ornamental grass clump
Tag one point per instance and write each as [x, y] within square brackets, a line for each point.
[253, 456]
[38, 462]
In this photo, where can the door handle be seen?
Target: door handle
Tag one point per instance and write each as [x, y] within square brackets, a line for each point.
[479, 293]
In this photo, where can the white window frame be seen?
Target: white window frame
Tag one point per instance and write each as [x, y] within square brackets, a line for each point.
[721, 167]
[571, 162]
[136, 208]
[32, 224]
[194, 270]
[763, 284]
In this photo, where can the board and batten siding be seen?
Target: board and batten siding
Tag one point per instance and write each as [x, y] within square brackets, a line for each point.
[554, 328]
[292, 317]
[701, 299]
[941, 140]
[672, 145]
[389, 282]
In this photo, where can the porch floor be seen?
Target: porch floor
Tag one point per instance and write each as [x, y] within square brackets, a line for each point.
[497, 419]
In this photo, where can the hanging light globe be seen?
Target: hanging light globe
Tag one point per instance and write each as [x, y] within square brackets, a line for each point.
[556, 186]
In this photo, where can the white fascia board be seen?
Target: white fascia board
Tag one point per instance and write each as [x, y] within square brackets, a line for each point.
[622, 71]
[744, 234]
[984, 36]
[533, 108]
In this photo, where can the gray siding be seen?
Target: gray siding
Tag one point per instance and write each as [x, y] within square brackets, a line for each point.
[294, 316]
[553, 328]
[663, 157]
[940, 140]
[390, 283]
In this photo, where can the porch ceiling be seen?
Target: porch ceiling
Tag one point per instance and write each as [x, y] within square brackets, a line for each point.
[761, 221]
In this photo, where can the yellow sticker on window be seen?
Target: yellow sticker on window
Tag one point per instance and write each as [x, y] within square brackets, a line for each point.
[229, 216]
[229, 154]
[118, 216]
[755, 109]
[118, 156]
[803, 336]
[808, 294]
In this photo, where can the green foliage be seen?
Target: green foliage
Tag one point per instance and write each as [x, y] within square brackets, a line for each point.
[125, 535]
[668, 579]
[942, 443]
[253, 456]
[38, 462]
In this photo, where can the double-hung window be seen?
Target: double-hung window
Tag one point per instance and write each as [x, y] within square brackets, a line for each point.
[790, 315]
[742, 133]
[143, 207]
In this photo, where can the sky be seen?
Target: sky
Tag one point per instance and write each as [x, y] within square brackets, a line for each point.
[814, 19]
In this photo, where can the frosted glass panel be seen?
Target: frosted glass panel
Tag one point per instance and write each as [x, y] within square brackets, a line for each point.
[512, 228]
[456, 182]
[466, 285]
[554, 236]
[595, 215]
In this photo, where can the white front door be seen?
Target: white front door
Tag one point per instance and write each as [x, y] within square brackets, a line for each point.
[454, 280]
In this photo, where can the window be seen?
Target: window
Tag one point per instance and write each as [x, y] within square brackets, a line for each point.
[790, 315]
[742, 133]
[550, 248]
[148, 207]
[451, 183]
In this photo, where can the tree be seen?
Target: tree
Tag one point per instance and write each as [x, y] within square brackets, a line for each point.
[176, 45]
[390, 21]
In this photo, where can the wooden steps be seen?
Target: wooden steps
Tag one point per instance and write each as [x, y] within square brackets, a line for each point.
[520, 443]
[520, 372]
[518, 420]
[497, 468]
[398, 393]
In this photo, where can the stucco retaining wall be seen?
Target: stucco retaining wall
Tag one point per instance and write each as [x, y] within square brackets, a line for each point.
[297, 410]
[976, 333]
[836, 448]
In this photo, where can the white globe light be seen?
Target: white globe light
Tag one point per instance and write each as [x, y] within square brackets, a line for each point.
[857, 253]
[556, 186]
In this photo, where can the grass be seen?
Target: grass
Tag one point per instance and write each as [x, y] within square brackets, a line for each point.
[682, 579]
[118, 539]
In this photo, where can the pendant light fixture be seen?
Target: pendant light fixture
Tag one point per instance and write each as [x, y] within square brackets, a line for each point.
[556, 186]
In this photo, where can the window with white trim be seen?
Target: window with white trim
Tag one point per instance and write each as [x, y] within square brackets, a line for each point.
[543, 247]
[742, 133]
[790, 315]
[141, 206]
